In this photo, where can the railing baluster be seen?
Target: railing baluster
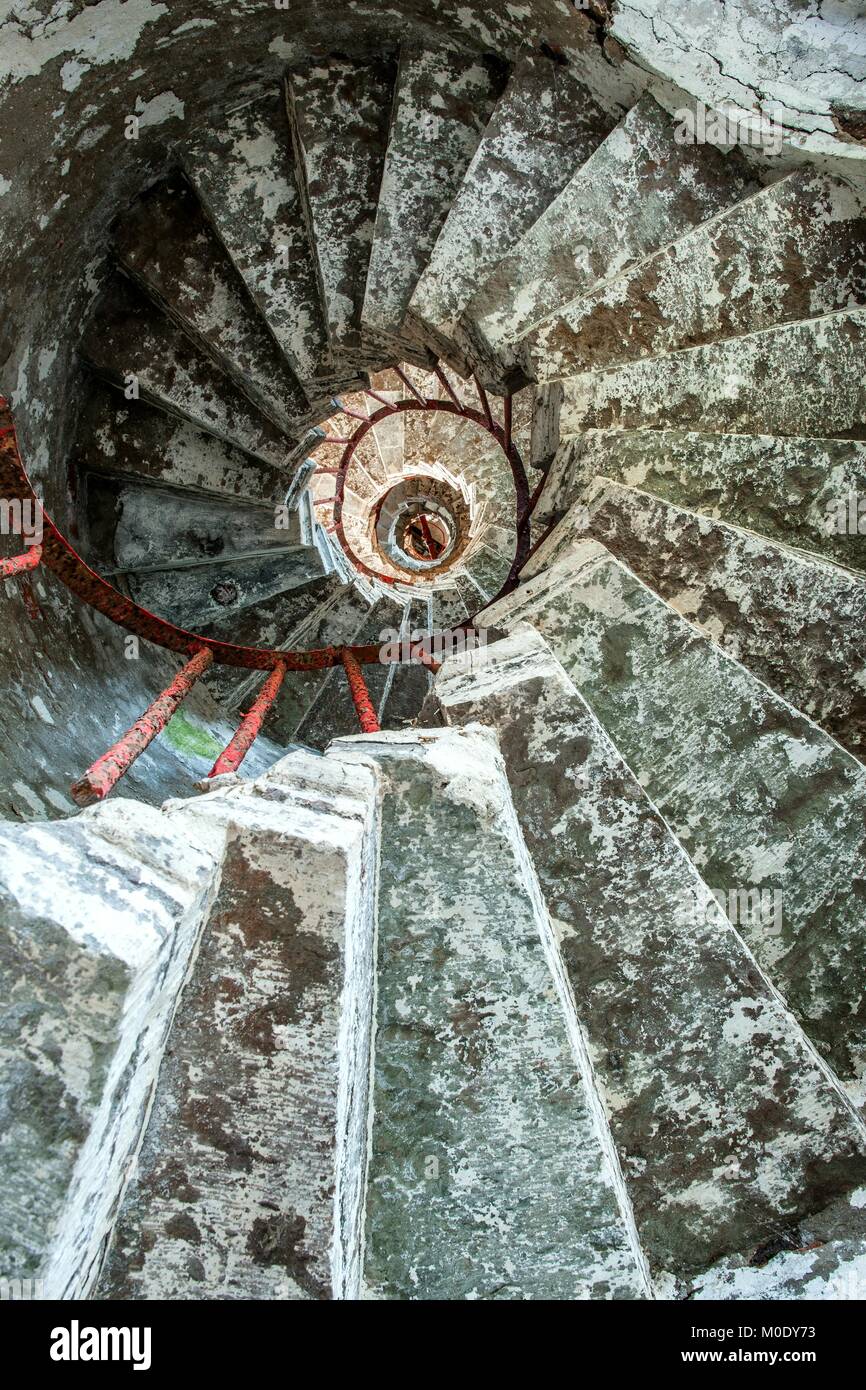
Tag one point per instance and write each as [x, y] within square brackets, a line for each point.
[448, 387]
[509, 426]
[107, 771]
[381, 399]
[412, 387]
[485, 403]
[20, 564]
[250, 726]
[360, 694]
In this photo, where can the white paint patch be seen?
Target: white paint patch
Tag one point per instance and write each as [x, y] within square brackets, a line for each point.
[41, 709]
[105, 33]
[159, 109]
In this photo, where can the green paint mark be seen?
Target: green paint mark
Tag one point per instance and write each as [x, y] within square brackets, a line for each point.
[192, 739]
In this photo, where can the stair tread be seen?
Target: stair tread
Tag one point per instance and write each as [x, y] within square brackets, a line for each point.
[475, 1083]
[795, 250]
[797, 622]
[245, 175]
[590, 232]
[797, 490]
[340, 110]
[545, 125]
[800, 379]
[131, 336]
[442, 101]
[168, 244]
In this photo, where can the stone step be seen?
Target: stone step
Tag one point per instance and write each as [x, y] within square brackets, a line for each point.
[545, 125]
[192, 597]
[442, 101]
[339, 109]
[407, 686]
[795, 250]
[169, 247]
[795, 621]
[332, 624]
[487, 568]
[727, 1126]
[276, 623]
[95, 951]
[808, 492]
[133, 345]
[250, 1180]
[244, 174]
[333, 714]
[448, 608]
[489, 1173]
[763, 801]
[131, 440]
[637, 192]
[802, 378]
[157, 525]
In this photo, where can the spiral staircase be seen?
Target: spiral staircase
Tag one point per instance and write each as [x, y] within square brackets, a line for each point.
[548, 431]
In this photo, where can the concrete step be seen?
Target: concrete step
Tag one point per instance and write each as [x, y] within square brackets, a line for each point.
[489, 1175]
[545, 125]
[762, 799]
[333, 714]
[802, 379]
[332, 624]
[133, 345]
[442, 101]
[129, 440]
[728, 1128]
[167, 244]
[795, 250]
[797, 622]
[244, 174]
[637, 192]
[250, 1180]
[193, 596]
[340, 109]
[94, 955]
[277, 623]
[800, 490]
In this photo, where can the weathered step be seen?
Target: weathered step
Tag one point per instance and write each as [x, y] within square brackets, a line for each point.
[442, 101]
[448, 608]
[195, 594]
[156, 524]
[488, 1177]
[250, 1180]
[728, 1128]
[131, 439]
[274, 623]
[637, 192]
[545, 125]
[244, 173]
[332, 624]
[333, 714]
[795, 250]
[167, 244]
[100, 915]
[340, 109]
[802, 378]
[407, 686]
[762, 799]
[136, 347]
[795, 621]
[808, 492]
[487, 568]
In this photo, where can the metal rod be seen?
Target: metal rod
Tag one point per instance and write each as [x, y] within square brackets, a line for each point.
[381, 399]
[20, 564]
[347, 409]
[485, 404]
[107, 771]
[412, 387]
[509, 416]
[250, 726]
[360, 694]
[448, 387]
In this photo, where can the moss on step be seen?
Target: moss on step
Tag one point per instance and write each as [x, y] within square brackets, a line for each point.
[190, 738]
